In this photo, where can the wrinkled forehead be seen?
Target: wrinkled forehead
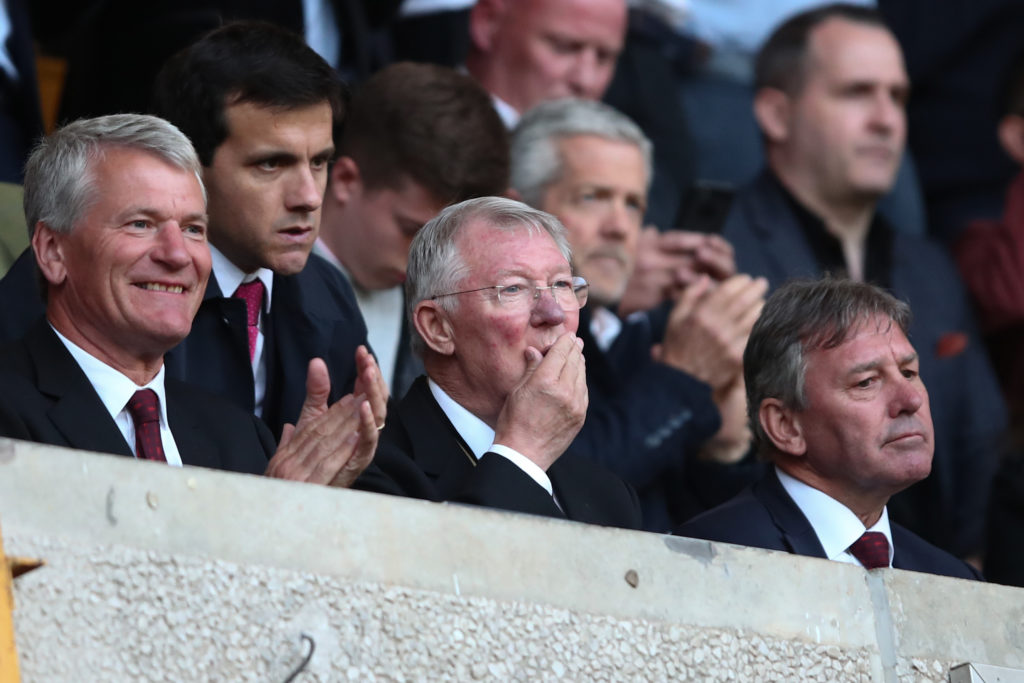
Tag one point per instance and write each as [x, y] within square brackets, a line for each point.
[510, 246]
[867, 339]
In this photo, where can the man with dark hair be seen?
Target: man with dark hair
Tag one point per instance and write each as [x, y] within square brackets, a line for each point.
[261, 107]
[118, 216]
[837, 404]
[494, 308]
[417, 137]
[830, 103]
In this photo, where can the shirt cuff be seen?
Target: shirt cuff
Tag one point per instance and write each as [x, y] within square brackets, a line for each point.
[525, 464]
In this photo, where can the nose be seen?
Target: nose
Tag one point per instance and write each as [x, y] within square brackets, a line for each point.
[617, 222]
[908, 397]
[587, 77]
[887, 115]
[306, 191]
[546, 311]
[170, 248]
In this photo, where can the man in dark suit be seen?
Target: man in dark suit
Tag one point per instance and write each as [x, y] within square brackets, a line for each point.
[494, 306]
[837, 404]
[260, 107]
[417, 137]
[119, 233]
[831, 89]
[589, 165]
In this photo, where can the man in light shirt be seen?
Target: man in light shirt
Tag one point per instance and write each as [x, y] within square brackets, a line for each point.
[837, 404]
[417, 137]
[119, 225]
[495, 307]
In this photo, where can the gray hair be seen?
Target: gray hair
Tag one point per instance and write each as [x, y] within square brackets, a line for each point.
[60, 182]
[435, 264]
[799, 317]
[535, 159]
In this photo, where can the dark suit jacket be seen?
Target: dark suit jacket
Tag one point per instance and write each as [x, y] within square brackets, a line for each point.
[422, 456]
[644, 418]
[764, 516]
[312, 315]
[947, 508]
[45, 397]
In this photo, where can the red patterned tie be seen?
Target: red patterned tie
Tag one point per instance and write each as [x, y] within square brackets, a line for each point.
[872, 549]
[252, 294]
[144, 408]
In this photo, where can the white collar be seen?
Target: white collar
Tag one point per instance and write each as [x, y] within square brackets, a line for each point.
[113, 387]
[229, 276]
[835, 525]
[474, 431]
[605, 326]
[509, 115]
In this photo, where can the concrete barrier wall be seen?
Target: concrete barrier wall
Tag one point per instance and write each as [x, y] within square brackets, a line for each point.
[156, 573]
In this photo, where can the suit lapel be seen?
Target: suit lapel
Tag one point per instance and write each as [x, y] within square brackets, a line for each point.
[439, 452]
[796, 531]
[194, 445]
[77, 411]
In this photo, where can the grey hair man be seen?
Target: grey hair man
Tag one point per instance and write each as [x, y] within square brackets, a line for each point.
[494, 304]
[117, 213]
[590, 166]
[837, 402]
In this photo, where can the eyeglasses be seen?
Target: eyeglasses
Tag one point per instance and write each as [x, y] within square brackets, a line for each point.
[569, 294]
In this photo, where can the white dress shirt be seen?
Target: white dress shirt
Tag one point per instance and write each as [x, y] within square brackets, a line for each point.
[115, 390]
[605, 326]
[835, 524]
[480, 438]
[229, 277]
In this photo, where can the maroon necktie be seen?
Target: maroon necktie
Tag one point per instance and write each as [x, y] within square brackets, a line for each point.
[872, 549]
[252, 294]
[144, 408]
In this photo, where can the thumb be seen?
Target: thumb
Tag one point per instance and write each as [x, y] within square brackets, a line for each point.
[533, 358]
[318, 389]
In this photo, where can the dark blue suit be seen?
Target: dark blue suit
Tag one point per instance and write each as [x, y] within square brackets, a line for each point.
[313, 315]
[764, 516]
[948, 508]
[45, 397]
[644, 418]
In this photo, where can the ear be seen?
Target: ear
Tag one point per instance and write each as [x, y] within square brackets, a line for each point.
[1011, 136]
[432, 323]
[49, 247]
[484, 21]
[782, 425]
[346, 181]
[772, 109]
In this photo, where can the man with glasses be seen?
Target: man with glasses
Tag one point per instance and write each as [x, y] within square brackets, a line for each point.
[494, 308]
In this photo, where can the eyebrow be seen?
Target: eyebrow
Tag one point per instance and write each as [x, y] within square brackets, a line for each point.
[875, 364]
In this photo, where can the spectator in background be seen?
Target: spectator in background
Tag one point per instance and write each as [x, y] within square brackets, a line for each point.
[526, 51]
[417, 137]
[837, 402]
[990, 254]
[590, 166]
[831, 91]
[20, 117]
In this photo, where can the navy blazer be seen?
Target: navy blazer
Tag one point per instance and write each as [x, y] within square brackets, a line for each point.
[45, 397]
[644, 418]
[765, 516]
[421, 455]
[948, 508]
[313, 314]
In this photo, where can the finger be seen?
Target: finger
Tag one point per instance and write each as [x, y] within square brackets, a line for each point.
[370, 381]
[681, 241]
[318, 390]
[688, 301]
[364, 446]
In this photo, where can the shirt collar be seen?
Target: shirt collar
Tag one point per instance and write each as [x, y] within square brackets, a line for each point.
[509, 115]
[474, 431]
[114, 388]
[229, 276]
[834, 524]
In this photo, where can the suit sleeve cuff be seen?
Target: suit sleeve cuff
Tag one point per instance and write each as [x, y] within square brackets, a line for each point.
[525, 464]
